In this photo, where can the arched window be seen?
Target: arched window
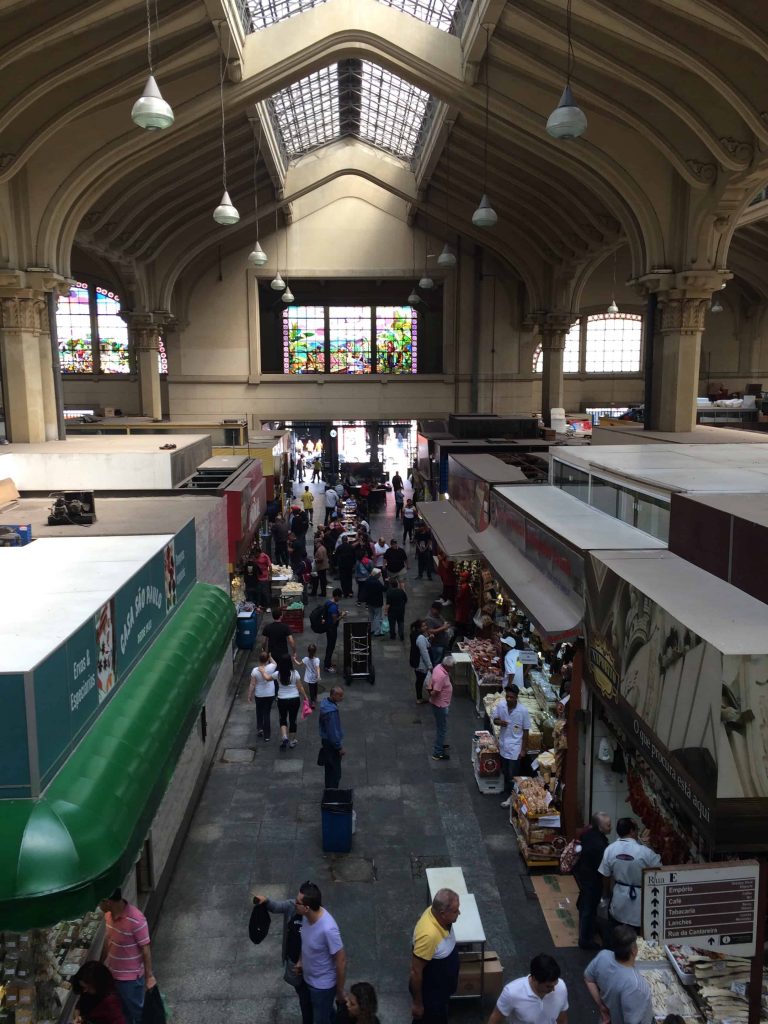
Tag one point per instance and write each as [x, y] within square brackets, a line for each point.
[613, 343]
[73, 330]
[570, 355]
[112, 332]
[92, 336]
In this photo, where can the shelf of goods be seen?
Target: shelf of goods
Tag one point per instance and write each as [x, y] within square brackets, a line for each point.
[542, 721]
[486, 763]
[293, 606]
[697, 983]
[36, 968]
[487, 665]
[537, 829]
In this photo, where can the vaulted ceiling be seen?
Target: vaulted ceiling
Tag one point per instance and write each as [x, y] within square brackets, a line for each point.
[677, 140]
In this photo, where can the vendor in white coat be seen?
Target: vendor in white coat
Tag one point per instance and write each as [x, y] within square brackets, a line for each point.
[514, 724]
[513, 669]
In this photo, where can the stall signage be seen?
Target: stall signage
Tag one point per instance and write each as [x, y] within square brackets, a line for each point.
[14, 751]
[713, 906]
[469, 493]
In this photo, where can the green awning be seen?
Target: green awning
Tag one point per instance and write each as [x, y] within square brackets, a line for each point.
[62, 853]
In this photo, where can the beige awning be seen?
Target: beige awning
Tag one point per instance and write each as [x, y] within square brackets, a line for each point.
[555, 613]
[449, 528]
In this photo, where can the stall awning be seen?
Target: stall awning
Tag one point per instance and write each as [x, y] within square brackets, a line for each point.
[63, 852]
[556, 614]
[449, 527]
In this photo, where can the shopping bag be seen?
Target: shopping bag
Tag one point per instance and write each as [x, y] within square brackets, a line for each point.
[154, 1007]
[321, 758]
[384, 625]
[306, 710]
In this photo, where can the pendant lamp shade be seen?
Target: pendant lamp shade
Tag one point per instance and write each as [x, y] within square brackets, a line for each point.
[567, 121]
[613, 308]
[447, 257]
[426, 283]
[287, 295]
[225, 212]
[277, 284]
[717, 306]
[150, 110]
[257, 257]
[414, 298]
[485, 215]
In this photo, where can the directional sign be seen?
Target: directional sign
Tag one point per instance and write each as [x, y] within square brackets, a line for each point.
[713, 906]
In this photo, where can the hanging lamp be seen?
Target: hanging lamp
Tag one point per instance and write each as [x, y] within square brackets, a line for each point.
[716, 306]
[447, 257]
[150, 111]
[567, 120]
[225, 213]
[287, 295]
[256, 257]
[414, 298]
[425, 281]
[277, 284]
[485, 215]
[613, 308]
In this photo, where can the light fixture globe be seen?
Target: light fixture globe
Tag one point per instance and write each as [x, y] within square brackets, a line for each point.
[414, 298]
[613, 308]
[485, 215]
[426, 283]
[567, 121]
[225, 212]
[150, 110]
[717, 306]
[257, 257]
[277, 284]
[447, 257]
[287, 295]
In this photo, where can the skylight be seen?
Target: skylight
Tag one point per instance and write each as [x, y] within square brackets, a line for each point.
[447, 15]
[354, 98]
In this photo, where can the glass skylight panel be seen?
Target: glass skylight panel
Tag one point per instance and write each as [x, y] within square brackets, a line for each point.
[448, 15]
[391, 111]
[306, 114]
[260, 13]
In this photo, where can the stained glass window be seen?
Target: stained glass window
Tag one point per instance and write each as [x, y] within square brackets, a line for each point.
[570, 355]
[113, 333]
[304, 339]
[349, 332]
[73, 329]
[396, 335]
[162, 356]
[613, 343]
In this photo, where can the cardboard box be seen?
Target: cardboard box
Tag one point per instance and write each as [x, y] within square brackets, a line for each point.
[470, 974]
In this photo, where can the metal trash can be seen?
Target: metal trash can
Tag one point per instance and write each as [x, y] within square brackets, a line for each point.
[337, 814]
[247, 628]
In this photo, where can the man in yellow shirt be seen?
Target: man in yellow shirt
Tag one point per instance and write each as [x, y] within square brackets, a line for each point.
[434, 960]
[307, 500]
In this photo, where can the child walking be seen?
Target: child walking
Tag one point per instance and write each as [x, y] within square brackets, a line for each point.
[311, 673]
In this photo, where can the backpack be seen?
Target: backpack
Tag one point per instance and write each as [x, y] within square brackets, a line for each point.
[569, 858]
[318, 619]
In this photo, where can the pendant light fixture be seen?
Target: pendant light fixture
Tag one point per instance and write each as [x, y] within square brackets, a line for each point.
[716, 306]
[225, 213]
[613, 308]
[256, 257]
[277, 284]
[287, 296]
[425, 281]
[567, 120]
[150, 111]
[414, 297]
[485, 215]
[447, 258]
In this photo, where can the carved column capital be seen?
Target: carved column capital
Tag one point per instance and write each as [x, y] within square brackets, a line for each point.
[143, 329]
[552, 328]
[24, 312]
[682, 314]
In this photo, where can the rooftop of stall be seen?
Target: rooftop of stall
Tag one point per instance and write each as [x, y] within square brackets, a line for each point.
[692, 468]
[442, 447]
[680, 659]
[621, 432]
[470, 478]
[133, 462]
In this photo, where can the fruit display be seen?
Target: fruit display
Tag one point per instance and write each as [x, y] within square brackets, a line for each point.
[486, 656]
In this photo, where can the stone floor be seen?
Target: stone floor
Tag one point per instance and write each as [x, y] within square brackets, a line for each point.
[257, 830]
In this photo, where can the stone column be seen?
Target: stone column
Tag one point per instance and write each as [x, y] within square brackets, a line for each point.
[752, 325]
[145, 338]
[553, 328]
[47, 382]
[24, 330]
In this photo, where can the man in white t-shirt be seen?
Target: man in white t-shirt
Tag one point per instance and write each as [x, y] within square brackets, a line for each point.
[514, 724]
[513, 670]
[540, 998]
[622, 867]
[331, 501]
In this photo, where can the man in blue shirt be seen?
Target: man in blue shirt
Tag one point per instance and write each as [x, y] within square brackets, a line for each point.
[332, 736]
[333, 616]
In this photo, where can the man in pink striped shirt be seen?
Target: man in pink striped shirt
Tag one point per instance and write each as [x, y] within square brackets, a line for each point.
[127, 953]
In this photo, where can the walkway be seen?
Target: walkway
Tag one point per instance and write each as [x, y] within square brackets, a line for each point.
[257, 830]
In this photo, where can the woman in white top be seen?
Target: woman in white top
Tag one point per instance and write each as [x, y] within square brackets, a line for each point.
[311, 672]
[262, 688]
[289, 696]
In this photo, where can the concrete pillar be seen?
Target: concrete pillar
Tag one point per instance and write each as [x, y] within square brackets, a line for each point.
[47, 382]
[22, 317]
[553, 328]
[751, 329]
[145, 340]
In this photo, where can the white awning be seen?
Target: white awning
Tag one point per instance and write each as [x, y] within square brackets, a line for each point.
[556, 614]
[449, 528]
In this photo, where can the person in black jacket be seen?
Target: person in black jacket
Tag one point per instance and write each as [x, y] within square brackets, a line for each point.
[345, 563]
[589, 879]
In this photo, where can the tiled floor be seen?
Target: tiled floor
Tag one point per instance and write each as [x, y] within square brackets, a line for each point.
[257, 829]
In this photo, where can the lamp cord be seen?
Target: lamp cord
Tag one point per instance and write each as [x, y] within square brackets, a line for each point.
[569, 68]
[487, 102]
[222, 65]
[149, 39]
[256, 157]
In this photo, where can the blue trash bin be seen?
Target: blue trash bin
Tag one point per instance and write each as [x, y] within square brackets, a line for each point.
[336, 810]
[247, 627]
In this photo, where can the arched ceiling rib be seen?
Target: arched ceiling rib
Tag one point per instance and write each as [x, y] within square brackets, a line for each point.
[672, 88]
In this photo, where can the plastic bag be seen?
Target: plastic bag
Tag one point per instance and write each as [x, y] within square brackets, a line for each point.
[384, 625]
[306, 710]
[154, 1011]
